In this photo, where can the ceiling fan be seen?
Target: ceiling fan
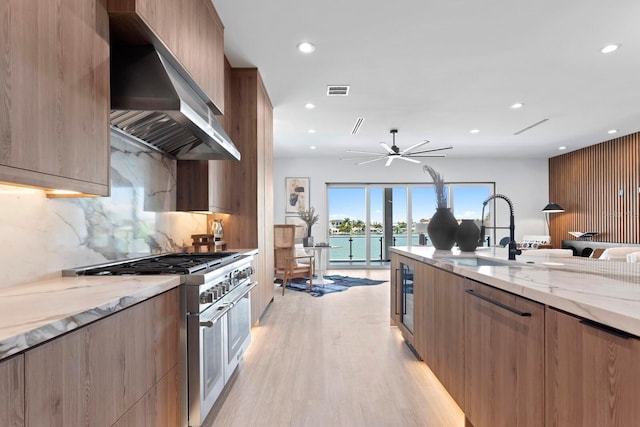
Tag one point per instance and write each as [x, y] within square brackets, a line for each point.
[394, 152]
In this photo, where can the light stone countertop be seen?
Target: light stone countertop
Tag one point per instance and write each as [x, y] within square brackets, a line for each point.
[33, 313]
[607, 292]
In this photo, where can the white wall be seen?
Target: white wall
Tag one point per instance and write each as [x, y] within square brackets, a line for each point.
[524, 181]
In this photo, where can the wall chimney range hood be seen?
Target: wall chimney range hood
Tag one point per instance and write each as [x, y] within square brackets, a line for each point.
[153, 102]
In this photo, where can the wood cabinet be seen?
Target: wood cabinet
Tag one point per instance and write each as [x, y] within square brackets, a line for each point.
[250, 181]
[12, 392]
[54, 94]
[423, 309]
[94, 375]
[437, 330]
[440, 328]
[151, 410]
[592, 373]
[504, 358]
[203, 185]
[190, 30]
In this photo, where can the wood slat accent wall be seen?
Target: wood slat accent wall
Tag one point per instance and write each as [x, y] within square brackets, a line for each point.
[598, 186]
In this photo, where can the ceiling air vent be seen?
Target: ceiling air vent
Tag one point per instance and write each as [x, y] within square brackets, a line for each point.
[356, 127]
[337, 90]
[530, 127]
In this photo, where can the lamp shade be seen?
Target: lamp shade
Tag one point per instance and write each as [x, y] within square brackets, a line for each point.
[553, 207]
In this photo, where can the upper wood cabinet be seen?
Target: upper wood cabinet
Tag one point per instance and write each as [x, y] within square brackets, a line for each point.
[250, 181]
[54, 94]
[190, 30]
[12, 392]
[504, 358]
[203, 185]
[593, 376]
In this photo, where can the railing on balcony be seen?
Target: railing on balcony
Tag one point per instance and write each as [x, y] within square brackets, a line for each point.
[352, 247]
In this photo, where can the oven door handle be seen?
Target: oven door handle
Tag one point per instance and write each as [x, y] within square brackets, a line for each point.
[210, 319]
[245, 291]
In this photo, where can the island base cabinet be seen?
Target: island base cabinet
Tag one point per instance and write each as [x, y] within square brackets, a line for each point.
[504, 358]
[445, 336]
[593, 374]
[94, 375]
[12, 392]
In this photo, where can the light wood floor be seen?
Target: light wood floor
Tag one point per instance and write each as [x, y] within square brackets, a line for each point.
[333, 361]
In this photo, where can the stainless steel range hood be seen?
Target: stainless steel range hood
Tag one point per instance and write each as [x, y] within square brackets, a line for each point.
[151, 101]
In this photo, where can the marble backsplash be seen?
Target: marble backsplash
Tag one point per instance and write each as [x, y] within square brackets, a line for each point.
[41, 236]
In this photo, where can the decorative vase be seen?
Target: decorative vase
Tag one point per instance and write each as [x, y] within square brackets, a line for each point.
[442, 229]
[467, 235]
[307, 241]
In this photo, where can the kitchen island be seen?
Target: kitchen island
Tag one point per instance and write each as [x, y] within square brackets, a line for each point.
[512, 341]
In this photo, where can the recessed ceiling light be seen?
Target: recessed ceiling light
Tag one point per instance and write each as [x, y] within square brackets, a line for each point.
[306, 47]
[612, 131]
[312, 131]
[562, 147]
[474, 131]
[309, 106]
[517, 105]
[313, 147]
[610, 48]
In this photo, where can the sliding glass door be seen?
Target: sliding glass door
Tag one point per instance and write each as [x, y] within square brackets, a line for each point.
[366, 219]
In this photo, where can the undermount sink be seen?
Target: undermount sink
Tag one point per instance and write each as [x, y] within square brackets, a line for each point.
[477, 262]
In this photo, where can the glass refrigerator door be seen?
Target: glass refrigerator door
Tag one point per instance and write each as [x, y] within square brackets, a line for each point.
[407, 296]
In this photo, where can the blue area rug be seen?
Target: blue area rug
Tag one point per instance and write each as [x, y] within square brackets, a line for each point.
[340, 283]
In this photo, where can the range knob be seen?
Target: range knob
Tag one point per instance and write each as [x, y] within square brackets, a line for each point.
[245, 273]
[218, 292]
[206, 297]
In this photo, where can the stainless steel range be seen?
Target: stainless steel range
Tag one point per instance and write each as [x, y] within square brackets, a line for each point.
[217, 317]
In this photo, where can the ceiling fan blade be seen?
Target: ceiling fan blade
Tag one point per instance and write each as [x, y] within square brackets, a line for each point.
[364, 158]
[367, 152]
[430, 151]
[408, 159]
[386, 147]
[373, 160]
[389, 161]
[426, 156]
[413, 147]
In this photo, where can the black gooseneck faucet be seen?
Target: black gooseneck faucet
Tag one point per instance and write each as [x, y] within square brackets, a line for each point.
[512, 225]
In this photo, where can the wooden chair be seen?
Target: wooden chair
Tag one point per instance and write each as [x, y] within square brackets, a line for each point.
[286, 263]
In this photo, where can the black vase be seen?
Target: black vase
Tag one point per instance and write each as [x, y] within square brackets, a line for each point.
[442, 229]
[467, 235]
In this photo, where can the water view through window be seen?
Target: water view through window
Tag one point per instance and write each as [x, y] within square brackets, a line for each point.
[365, 220]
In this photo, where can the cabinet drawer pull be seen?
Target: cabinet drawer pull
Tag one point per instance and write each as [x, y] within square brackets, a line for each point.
[604, 328]
[499, 304]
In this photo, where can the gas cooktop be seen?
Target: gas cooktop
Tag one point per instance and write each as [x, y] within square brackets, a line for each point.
[175, 263]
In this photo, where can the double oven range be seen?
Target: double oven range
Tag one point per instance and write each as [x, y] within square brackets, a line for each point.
[216, 321]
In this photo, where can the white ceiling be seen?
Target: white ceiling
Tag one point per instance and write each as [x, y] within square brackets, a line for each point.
[437, 69]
